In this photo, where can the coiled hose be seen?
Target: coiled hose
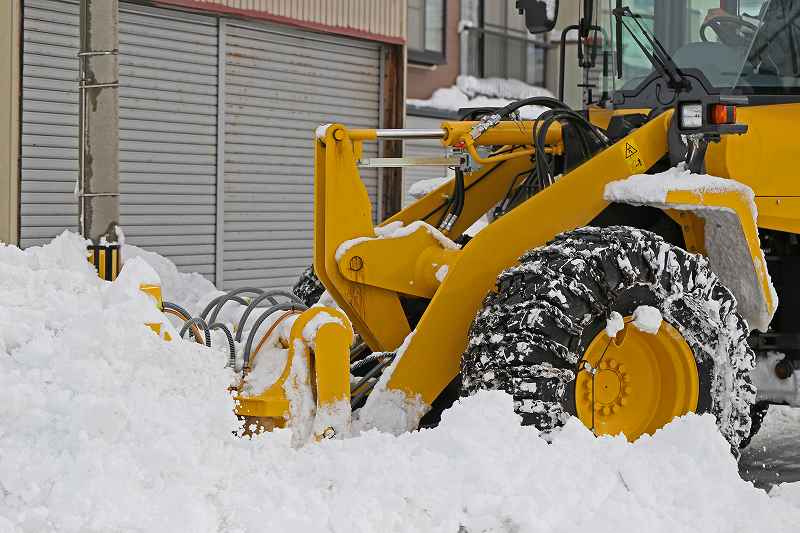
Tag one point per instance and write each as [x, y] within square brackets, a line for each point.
[202, 325]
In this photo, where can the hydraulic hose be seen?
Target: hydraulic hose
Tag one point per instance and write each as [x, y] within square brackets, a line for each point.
[231, 345]
[184, 315]
[359, 394]
[287, 306]
[543, 101]
[200, 322]
[221, 300]
[268, 295]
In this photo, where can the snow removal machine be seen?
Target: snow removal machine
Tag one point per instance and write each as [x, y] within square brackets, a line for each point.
[624, 263]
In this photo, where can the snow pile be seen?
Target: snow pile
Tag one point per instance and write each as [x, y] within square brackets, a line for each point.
[484, 92]
[772, 456]
[787, 492]
[191, 291]
[105, 427]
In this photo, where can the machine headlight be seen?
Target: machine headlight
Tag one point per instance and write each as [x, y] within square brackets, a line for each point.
[691, 116]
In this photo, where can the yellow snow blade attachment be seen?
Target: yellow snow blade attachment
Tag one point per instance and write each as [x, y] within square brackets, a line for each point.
[314, 387]
[154, 292]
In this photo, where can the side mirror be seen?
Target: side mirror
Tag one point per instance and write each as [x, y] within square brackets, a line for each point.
[540, 15]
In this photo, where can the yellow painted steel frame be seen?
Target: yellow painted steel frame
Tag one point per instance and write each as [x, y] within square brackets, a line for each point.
[432, 357]
[763, 159]
[328, 360]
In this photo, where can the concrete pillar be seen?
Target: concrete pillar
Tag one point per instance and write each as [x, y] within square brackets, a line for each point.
[10, 15]
[99, 157]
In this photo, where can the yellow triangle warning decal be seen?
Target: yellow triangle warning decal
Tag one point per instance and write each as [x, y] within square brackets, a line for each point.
[632, 157]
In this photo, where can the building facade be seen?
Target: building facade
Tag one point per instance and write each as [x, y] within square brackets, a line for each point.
[218, 104]
[476, 38]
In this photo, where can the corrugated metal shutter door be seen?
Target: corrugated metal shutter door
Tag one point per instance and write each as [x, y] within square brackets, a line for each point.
[49, 121]
[168, 78]
[168, 134]
[280, 85]
[421, 148]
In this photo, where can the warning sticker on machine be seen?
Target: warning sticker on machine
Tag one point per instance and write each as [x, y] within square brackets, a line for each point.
[633, 156]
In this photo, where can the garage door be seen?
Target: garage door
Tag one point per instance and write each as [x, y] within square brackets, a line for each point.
[168, 88]
[280, 85]
[49, 121]
[421, 148]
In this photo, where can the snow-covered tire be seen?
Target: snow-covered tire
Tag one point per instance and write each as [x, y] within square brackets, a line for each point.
[534, 328]
[757, 415]
[308, 287]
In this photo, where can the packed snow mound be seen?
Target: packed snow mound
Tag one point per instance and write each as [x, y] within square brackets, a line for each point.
[772, 457]
[106, 427]
[483, 92]
[190, 290]
[787, 492]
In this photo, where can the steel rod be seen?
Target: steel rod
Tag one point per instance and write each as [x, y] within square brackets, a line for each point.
[410, 134]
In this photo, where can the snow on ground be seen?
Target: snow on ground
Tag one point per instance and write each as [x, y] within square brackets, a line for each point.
[773, 456]
[106, 427]
[483, 92]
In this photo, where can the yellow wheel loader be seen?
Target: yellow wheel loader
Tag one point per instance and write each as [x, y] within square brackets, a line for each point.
[612, 279]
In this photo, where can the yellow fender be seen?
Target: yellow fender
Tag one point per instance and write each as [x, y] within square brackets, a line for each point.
[725, 224]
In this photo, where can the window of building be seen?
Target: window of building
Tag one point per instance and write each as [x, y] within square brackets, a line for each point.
[507, 49]
[426, 29]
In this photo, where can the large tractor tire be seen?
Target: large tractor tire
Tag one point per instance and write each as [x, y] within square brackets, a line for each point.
[757, 414]
[308, 287]
[542, 337]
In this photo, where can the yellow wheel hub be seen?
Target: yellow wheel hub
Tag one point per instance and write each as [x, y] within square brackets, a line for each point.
[636, 382]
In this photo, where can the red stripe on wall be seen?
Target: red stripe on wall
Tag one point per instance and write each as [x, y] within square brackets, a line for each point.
[253, 14]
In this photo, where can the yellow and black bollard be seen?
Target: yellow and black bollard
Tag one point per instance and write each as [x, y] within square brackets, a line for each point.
[106, 260]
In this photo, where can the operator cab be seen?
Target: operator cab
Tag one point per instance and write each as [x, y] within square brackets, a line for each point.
[748, 47]
[629, 49]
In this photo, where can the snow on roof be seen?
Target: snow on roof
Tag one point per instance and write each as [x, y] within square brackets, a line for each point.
[483, 92]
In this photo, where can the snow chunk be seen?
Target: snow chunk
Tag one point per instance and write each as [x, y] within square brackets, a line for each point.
[391, 410]
[614, 324]
[312, 326]
[441, 273]
[647, 319]
[395, 230]
[422, 188]
[269, 366]
[322, 131]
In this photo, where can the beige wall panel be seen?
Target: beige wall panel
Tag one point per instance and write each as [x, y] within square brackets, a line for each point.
[9, 119]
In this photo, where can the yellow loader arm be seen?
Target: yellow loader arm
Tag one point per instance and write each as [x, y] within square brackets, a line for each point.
[367, 273]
